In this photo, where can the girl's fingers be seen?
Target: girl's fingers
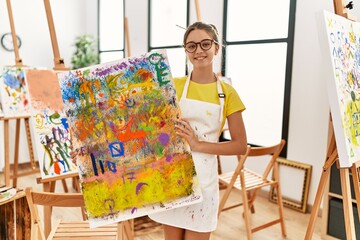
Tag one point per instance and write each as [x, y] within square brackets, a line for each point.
[183, 124]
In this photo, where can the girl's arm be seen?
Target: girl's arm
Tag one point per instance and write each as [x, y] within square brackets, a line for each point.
[236, 146]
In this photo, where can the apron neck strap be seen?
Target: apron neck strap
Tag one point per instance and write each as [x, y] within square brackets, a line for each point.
[221, 98]
[186, 86]
[220, 94]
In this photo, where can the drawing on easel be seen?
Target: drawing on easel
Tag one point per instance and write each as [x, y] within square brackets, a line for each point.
[343, 53]
[48, 120]
[14, 92]
[131, 162]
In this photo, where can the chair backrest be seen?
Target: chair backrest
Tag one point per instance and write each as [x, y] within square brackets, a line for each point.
[273, 151]
[52, 200]
[55, 199]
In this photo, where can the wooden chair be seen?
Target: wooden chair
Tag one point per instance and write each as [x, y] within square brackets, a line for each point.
[71, 229]
[248, 183]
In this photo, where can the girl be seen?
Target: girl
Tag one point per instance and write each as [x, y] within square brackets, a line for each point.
[205, 104]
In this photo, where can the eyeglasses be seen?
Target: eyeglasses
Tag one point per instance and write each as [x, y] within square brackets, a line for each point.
[205, 45]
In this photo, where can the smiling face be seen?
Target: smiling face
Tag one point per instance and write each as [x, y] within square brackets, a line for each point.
[201, 58]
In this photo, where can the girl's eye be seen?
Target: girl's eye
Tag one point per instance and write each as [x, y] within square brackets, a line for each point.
[205, 45]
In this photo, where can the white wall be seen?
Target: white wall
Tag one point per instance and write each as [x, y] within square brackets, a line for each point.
[71, 18]
[309, 109]
[137, 13]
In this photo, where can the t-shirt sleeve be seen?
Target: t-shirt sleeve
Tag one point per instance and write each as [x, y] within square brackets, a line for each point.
[233, 102]
[179, 85]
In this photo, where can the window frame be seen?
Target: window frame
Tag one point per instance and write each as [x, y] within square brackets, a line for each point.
[150, 47]
[289, 61]
[99, 37]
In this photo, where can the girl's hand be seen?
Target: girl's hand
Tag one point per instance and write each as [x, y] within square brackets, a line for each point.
[183, 129]
[73, 155]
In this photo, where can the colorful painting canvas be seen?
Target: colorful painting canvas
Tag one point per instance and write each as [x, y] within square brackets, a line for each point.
[14, 92]
[131, 162]
[52, 136]
[342, 65]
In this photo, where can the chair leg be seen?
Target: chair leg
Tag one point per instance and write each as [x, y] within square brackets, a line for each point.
[251, 202]
[224, 199]
[246, 207]
[279, 199]
[37, 232]
[219, 164]
[128, 229]
[281, 210]
[120, 232]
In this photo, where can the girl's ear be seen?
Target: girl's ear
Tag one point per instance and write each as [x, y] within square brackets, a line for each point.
[216, 49]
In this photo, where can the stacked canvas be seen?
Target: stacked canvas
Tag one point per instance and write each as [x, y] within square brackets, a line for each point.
[51, 132]
[14, 92]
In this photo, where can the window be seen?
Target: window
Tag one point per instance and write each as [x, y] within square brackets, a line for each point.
[111, 30]
[258, 59]
[167, 23]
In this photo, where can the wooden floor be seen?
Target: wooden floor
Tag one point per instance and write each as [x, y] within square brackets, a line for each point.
[230, 227]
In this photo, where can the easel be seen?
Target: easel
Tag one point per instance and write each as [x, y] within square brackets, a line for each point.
[18, 61]
[127, 38]
[7, 171]
[197, 8]
[331, 158]
[50, 183]
[198, 18]
[59, 63]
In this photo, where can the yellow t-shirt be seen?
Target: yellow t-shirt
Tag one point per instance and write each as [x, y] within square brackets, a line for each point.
[208, 93]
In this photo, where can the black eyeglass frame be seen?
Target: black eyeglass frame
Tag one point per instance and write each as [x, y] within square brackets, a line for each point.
[200, 44]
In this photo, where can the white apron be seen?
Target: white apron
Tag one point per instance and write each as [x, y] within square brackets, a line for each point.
[205, 119]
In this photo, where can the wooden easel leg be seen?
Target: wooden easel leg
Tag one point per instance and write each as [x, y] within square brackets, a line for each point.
[63, 181]
[356, 183]
[197, 7]
[347, 204]
[315, 209]
[30, 146]
[6, 150]
[16, 152]
[319, 194]
[75, 183]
